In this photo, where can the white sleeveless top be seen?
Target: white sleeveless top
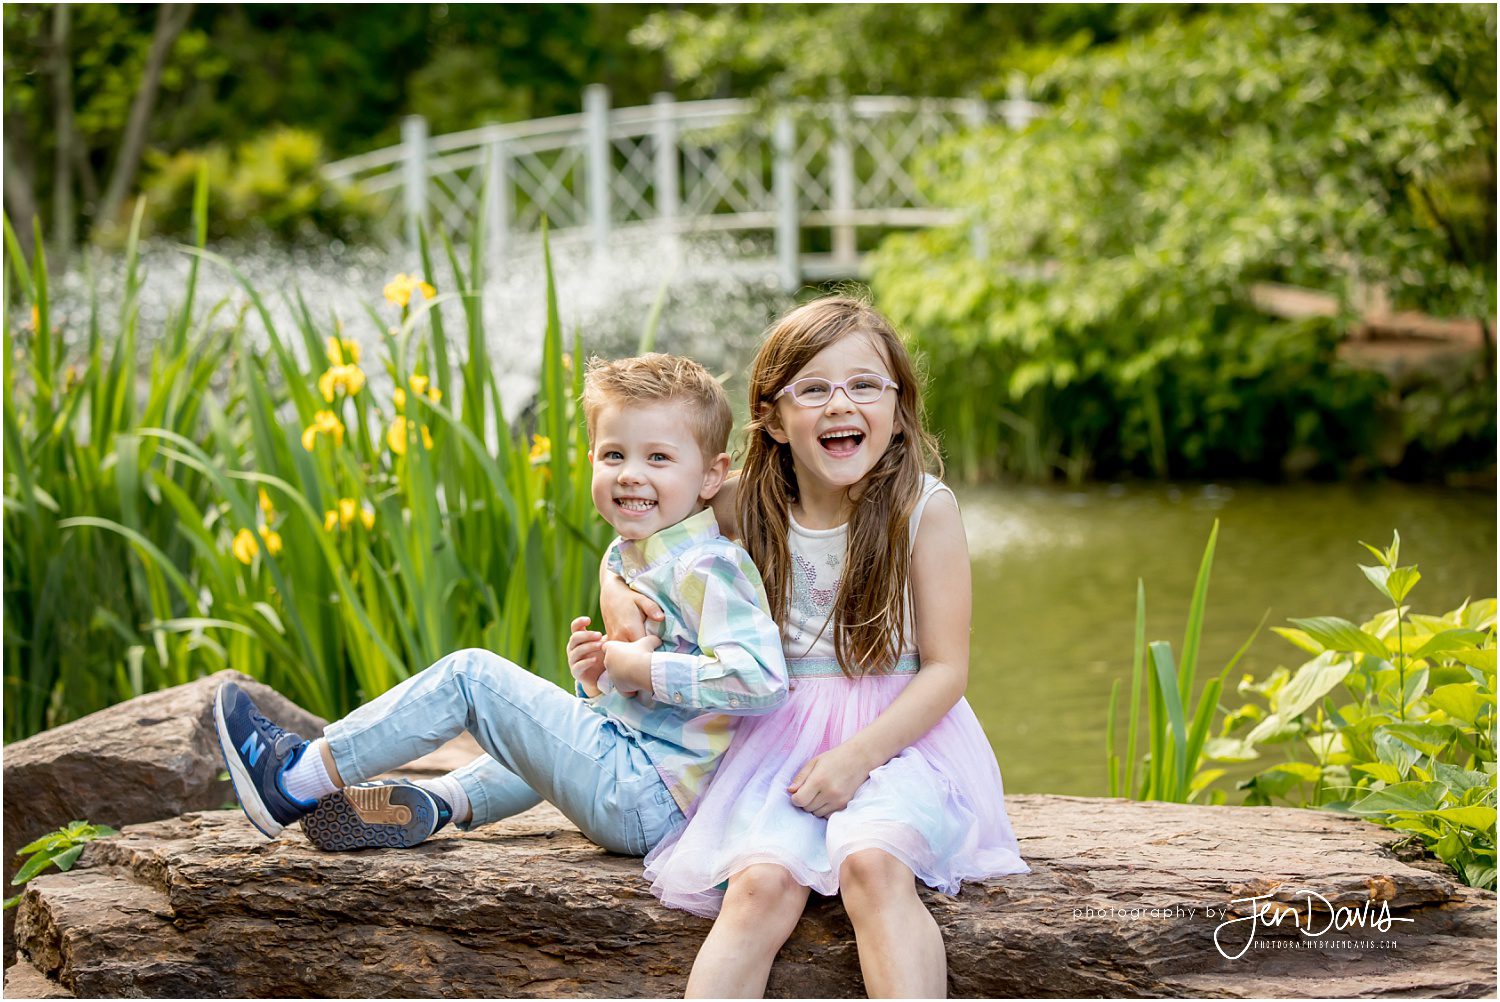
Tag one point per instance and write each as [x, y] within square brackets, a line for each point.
[817, 569]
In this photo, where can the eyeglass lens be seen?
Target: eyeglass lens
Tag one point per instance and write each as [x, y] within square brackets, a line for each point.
[861, 390]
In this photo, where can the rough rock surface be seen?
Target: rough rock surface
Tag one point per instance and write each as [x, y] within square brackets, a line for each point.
[152, 757]
[203, 906]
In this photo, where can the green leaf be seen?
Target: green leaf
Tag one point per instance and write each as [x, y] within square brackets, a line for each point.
[1341, 635]
[1478, 817]
[1461, 701]
[1383, 771]
[65, 859]
[1299, 638]
[1483, 660]
[11, 902]
[1429, 739]
[1418, 797]
[36, 864]
[1310, 683]
[1449, 641]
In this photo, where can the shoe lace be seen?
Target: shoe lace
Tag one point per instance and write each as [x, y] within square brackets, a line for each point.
[272, 731]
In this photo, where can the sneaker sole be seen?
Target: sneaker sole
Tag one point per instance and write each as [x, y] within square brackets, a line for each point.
[256, 811]
[371, 817]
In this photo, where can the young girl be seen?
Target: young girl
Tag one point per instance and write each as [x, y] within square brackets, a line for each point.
[876, 770]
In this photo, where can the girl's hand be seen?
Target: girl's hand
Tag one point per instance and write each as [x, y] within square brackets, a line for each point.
[625, 611]
[629, 664]
[585, 655]
[828, 782]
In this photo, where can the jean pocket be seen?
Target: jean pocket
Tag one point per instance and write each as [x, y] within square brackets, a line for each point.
[633, 832]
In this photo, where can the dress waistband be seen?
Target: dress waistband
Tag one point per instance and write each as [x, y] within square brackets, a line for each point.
[907, 664]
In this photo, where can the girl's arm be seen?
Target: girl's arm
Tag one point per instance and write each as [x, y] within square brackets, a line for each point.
[942, 599]
[723, 505]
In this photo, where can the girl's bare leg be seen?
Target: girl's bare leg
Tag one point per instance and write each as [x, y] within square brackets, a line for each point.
[761, 908]
[900, 947]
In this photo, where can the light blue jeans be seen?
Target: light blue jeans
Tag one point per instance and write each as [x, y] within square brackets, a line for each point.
[543, 744]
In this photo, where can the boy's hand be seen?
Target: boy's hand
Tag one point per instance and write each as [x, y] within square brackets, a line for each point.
[629, 664]
[625, 611]
[585, 655]
[827, 782]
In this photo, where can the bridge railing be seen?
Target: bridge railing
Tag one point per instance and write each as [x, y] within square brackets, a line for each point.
[682, 167]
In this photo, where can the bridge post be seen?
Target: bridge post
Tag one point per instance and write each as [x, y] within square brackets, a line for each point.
[845, 243]
[497, 201]
[414, 175]
[668, 183]
[784, 186]
[1018, 113]
[596, 162]
[976, 111]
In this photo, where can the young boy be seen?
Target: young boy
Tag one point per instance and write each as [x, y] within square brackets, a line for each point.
[626, 756]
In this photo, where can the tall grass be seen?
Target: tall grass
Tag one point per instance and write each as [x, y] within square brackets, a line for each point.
[155, 537]
[1176, 728]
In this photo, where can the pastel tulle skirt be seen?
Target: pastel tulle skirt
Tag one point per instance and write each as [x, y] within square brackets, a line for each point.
[939, 806]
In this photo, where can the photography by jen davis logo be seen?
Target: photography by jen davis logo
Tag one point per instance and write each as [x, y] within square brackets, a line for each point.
[1307, 911]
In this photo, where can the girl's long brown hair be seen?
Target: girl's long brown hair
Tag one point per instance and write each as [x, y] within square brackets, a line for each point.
[870, 608]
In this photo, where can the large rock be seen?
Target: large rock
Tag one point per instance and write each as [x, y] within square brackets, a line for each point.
[153, 757]
[204, 906]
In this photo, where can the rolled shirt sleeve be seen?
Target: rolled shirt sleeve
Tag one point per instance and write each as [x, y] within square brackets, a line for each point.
[741, 669]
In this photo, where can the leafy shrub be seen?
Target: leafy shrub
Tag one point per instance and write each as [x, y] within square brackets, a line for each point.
[1111, 329]
[270, 186]
[1393, 719]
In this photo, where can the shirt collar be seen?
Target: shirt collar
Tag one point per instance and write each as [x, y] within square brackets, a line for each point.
[637, 556]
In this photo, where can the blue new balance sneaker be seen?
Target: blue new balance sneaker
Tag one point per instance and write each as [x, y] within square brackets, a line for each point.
[391, 813]
[257, 753]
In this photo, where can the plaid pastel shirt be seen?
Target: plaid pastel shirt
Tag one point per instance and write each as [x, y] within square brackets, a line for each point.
[720, 655]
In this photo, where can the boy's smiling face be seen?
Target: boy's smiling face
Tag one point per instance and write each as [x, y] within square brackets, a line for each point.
[649, 471]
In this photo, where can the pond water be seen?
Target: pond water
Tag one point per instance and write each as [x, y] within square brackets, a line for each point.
[1055, 574]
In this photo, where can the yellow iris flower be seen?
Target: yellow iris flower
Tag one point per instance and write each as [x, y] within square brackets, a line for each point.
[272, 538]
[244, 546]
[541, 449]
[400, 288]
[342, 351]
[349, 378]
[345, 513]
[324, 423]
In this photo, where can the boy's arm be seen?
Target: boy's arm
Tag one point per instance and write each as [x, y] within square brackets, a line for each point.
[941, 607]
[741, 669]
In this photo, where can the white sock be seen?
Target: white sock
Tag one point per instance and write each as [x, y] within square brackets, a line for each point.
[308, 778]
[452, 791]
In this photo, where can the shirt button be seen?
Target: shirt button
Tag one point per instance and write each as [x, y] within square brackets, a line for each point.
[676, 697]
[733, 701]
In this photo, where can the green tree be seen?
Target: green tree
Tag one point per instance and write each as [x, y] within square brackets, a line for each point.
[1111, 327]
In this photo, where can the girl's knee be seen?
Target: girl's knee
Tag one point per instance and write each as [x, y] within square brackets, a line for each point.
[765, 883]
[873, 874]
[763, 904]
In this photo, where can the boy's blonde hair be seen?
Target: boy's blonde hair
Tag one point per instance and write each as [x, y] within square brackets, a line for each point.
[658, 378]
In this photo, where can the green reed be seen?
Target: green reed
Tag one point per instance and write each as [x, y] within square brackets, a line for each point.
[261, 510]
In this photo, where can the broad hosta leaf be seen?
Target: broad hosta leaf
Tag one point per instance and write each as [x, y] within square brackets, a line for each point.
[1402, 797]
[1341, 635]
